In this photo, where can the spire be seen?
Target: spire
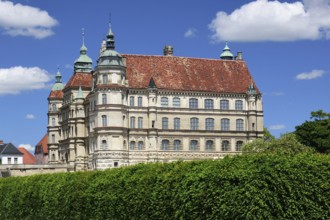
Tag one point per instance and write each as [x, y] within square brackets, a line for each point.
[152, 84]
[83, 49]
[226, 54]
[251, 90]
[83, 63]
[110, 43]
[58, 84]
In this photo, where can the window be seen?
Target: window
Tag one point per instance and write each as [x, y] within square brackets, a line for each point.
[104, 120]
[194, 123]
[176, 102]
[193, 103]
[165, 144]
[105, 79]
[131, 101]
[208, 104]
[132, 145]
[15, 160]
[53, 107]
[53, 121]
[140, 122]
[224, 104]
[140, 101]
[225, 124]
[164, 123]
[177, 123]
[239, 145]
[104, 145]
[9, 160]
[164, 101]
[225, 146]
[104, 99]
[177, 145]
[140, 145]
[209, 124]
[53, 138]
[193, 145]
[132, 122]
[238, 105]
[209, 145]
[239, 125]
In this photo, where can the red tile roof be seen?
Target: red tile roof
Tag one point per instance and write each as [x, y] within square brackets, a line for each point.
[28, 158]
[57, 94]
[188, 74]
[80, 79]
[43, 143]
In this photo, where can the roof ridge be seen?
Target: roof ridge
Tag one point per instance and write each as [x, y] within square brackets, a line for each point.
[180, 57]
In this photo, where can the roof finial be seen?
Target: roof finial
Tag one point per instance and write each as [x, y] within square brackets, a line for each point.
[83, 35]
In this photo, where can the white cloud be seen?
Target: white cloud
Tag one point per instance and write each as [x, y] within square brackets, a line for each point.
[69, 66]
[191, 33]
[264, 20]
[17, 79]
[28, 147]
[30, 116]
[18, 19]
[276, 127]
[311, 75]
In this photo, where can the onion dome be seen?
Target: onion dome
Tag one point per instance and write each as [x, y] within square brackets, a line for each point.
[84, 62]
[58, 84]
[226, 54]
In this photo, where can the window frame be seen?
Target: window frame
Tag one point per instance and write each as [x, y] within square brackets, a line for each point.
[208, 104]
[164, 122]
[194, 123]
[239, 124]
[224, 104]
[209, 124]
[132, 122]
[193, 103]
[176, 123]
[164, 101]
[193, 147]
[176, 102]
[225, 145]
[225, 124]
[165, 144]
[239, 105]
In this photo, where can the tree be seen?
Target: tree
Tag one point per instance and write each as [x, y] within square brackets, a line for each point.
[315, 133]
[286, 144]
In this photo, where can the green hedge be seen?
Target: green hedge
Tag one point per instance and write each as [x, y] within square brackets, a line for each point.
[241, 187]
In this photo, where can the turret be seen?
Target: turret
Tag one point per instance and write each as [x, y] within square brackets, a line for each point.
[83, 63]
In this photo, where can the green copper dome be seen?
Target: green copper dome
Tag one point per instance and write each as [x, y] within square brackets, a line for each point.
[58, 85]
[84, 62]
[226, 54]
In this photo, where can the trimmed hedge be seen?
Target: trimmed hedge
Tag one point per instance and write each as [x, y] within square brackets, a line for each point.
[240, 187]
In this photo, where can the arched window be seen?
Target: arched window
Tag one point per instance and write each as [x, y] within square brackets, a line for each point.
[239, 145]
[224, 104]
[225, 146]
[140, 145]
[53, 157]
[209, 145]
[164, 123]
[209, 124]
[131, 101]
[165, 144]
[208, 104]
[239, 125]
[164, 101]
[140, 101]
[105, 78]
[238, 105]
[225, 124]
[140, 122]
[104, 99]
[194, 123]
[176, 124]
[193, 145]
[104, 145]
[132, 122]
[53, 121]
[193, 103]
[104, 120]
[132, 145]
[176, 102]
[177, 145]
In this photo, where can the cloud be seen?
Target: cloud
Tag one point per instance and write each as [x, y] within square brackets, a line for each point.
[23, 20]
[17, 79]
[28, 147]
[191, 33]
[30, 117]
[311, 75]
[276, 127]
[69, 66]
[264, 20]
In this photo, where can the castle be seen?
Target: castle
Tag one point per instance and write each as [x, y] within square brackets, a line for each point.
[140, 108]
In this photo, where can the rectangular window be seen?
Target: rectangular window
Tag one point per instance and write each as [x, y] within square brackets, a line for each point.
[164, 102]
[164, 123]
[224, 104]
[104, 120]
[238, 105]
[208, 104]
[177, 123]
[193, 103]
[131, 101]
[193, 145]
[194, 123]
[209, 124]
[9, 160]
[140, 145]
[239, 125]
[15, 160]
[225, 124]
[104, 99]
[53, 138]
[140, 101]
[177, 145]
[132, 145]
[132, 122]
[140, 122]
[176, 102]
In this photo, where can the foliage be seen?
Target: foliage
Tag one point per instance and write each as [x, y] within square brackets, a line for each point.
[286, 144]
[254, 186]
[316, 133]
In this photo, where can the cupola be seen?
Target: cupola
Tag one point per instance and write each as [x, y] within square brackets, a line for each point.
[58, 84]
[83, 63]
[226, 54]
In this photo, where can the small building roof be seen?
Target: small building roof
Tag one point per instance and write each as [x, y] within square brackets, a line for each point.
[9, 149]
[28, 158]
[43, 144]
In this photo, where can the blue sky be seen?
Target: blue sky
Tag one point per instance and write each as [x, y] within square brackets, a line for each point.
[285, 44]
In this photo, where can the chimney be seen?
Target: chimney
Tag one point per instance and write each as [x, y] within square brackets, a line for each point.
[239, 56]
[168, 50]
